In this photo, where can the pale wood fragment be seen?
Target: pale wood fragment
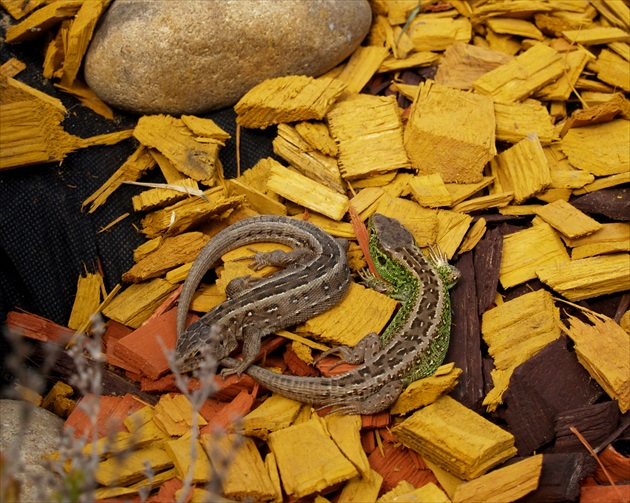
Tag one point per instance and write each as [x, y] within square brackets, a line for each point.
[401, 489]
[461, 191]
[613, 70]
[132, 468]
[462, 64]
[567, 219]
[301, 472]
[498, 200]
[611, 238]
[616, 13]
[514, 26]
[206, 297]
[137, 302]
[361, 67]
[180, 451]
[259, 201]
[436, 34]
[316, 134]
[434, 146]
[308, 193]
[366, 201]
[42, 20]
[598, 35]
[205, 128]
[452, 227]
[561, 89]
[274, 476]
[275, 413]
[506, 484]
[133, 168]
[526, 251]
[508, 44]
[604, 183]
[430, 191]
[338, 326]
[174, 140]
[588, 277]
[456, 438]
[427, 390]
[246, 477]
[87, 97]
[523, 168]
[603, 349]
[116, 492]
[368, 132]
[287, 99]
[345, 430]
[599, 149]
[428, 492]
[164, 195]
[322, 168]
[522, 9]
[523, 76]
[332, 227]
[474, 235]
[88, 298]
[514, 332]
[364, 488]
[422, 58]
[256, 177]
[515, 121]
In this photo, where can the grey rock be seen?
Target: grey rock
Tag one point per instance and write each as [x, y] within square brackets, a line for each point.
[28, 442]
[194, 56]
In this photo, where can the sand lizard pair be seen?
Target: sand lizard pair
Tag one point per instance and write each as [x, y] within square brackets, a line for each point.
[316, 277]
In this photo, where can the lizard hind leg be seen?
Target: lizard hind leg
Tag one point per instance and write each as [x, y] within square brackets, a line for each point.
[364, 351]
[277, 258]
[238, 285]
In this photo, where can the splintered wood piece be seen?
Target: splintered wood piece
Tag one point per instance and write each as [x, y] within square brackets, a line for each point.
[452, 227]
[308, 193]
[422, 58]
[497, 200]
[256, 177]
[537, 393]
[79, 36]
[514, 332]
[337, 325]
[137, 302]
[132, 468]
[159, 197]
[18, 9]
[88, 298]
[365, 488]
[262, 203]
[105, 493]
[600, 148]
[588, 277]
[301, 472]
[181, 216]
[514, 26]
[174, 251]
[611, 238]
[461, 191]
[603, 349]
[287, 99]
[503, 485]
[316, 134]
[35, 327]
[523, 76]
[430, 191]
[53, 59]
[428, 492]
[421, 222]
[613, 70]
[426, 391]
[434, 146]
[403, 488]
[345, 430]
[275, 413]
[205, 128]
[568, 220]
[87, 97]
[361, 67]
[322, 168]
[504, 43]
[599, 35]
[561, 89]
[456, 438]
[170, 136]
[523, 8]
[42, 20]
[133, 168]
[11, 68]
[368, 132]
[246, 477]
[523, 168]
[462, 64]
[437, 34]
[174, 415]
[527, 251]
[516, 121]
[180, 451]
[473, 236]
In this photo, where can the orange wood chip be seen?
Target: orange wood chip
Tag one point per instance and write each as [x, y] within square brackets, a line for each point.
[222, 414]
[38, 328]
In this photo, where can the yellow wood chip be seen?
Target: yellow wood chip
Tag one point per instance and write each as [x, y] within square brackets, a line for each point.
[180, 451]
[275, 413]
[345, 430]
[132, 467]
[427, 390]
[567, 219]
[87, 300]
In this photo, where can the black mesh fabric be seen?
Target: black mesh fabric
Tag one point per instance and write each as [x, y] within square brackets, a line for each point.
[46, 241]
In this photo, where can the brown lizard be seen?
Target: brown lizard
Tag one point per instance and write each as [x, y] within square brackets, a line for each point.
[412, 346]
[315, 277]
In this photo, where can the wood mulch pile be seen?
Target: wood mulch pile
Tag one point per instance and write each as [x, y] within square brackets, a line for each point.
[498, 130]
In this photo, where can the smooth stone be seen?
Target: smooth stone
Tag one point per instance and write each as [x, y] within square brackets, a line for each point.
[41, 435]
[196, 56]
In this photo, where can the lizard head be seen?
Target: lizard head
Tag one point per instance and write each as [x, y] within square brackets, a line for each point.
[199, 342]
[389, 232]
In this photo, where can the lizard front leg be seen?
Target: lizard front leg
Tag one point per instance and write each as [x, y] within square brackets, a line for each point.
[252, 342]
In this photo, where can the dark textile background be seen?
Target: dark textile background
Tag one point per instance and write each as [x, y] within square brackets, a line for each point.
[46, 241]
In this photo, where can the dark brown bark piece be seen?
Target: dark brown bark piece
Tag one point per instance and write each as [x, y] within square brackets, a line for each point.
[594, 422]
[613, 203]
[487, 263]
[550, 382]
[465, 345]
